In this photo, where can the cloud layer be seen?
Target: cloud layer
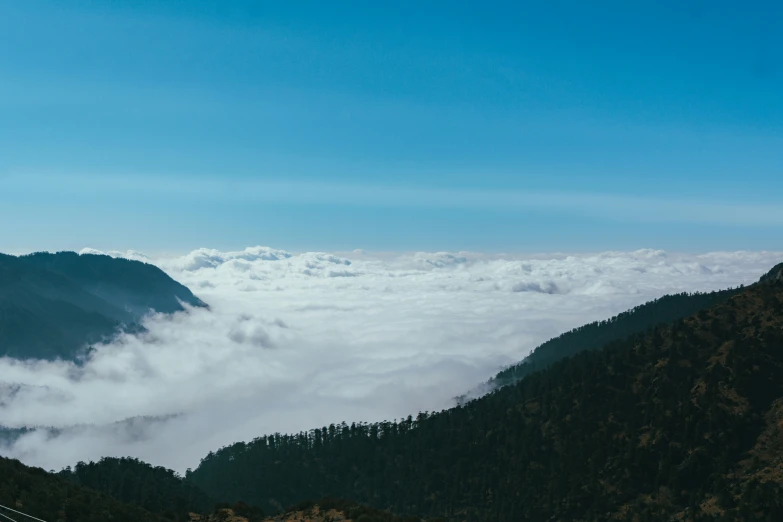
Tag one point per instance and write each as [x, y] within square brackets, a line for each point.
[298, 341]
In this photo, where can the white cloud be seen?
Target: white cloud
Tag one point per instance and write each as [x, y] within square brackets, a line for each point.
[298, 341]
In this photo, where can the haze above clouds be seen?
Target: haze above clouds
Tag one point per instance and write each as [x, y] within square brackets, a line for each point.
[294, 342]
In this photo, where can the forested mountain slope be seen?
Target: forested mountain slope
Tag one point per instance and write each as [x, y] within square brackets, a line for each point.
[163, 492]
[45, 496]
[52, 305]
[681, 423]
[597, 334]
[156, 489]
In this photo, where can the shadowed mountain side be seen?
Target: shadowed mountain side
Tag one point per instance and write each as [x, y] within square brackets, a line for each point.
[53, 305]
[131, 286]
[156, 489]
[43, 495]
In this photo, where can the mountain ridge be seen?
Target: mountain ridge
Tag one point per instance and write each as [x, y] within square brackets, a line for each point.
[53, 305]
[593, 336]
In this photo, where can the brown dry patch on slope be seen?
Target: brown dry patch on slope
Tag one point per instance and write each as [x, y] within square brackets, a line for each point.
[314, 514]
[222, 515]
[311, 515]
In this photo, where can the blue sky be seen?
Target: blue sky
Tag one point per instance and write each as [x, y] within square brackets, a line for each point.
[169, 125]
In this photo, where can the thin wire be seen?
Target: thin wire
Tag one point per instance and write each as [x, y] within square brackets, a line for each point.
[19, 513]
[9, 518]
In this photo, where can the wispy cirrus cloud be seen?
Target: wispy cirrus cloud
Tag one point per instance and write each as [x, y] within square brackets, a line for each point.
[612, 206]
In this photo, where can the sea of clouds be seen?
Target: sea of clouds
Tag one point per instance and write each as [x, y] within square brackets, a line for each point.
[298, 341]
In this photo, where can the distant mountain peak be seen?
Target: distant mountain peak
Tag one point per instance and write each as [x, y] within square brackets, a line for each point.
[774, 276]
[53, 305]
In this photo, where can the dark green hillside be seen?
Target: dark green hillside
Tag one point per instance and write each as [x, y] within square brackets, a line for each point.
[155, 489]
[52, 305]
[132, 286]
[45, 496]
[597, 334]
[681, 423]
